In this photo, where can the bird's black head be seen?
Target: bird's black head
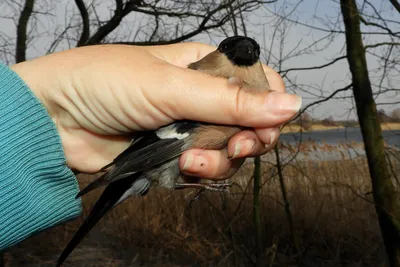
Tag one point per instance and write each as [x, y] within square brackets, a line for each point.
[240, 50]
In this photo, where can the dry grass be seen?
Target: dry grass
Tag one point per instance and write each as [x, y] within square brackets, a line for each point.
[330, 200]
[390, 126]
[293, 128]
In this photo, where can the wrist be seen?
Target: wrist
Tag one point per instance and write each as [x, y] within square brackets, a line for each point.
[32, 165]
[37, 78]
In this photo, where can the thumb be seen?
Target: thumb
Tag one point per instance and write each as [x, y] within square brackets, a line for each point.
[215, 100]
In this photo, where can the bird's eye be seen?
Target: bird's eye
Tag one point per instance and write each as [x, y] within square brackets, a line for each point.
[225, 46]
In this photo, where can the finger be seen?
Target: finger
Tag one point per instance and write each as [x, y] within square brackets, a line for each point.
[268, 136]
[197, 96]
[209, 164]
[251, 143]
[275, 80]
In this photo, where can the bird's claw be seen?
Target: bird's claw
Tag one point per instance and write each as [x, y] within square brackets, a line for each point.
[196, 197]
[215, 187]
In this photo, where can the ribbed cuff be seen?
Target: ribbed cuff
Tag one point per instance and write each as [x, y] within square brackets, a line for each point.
[37, 189]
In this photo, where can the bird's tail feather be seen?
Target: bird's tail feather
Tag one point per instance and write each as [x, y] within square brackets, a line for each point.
[102, 206]
[113, 195]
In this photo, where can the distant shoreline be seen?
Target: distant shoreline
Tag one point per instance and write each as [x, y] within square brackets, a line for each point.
[317, 127]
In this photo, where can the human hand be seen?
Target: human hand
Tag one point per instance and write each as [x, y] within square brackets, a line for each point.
[97, 95]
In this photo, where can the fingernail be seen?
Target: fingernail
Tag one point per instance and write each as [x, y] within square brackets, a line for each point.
[282, 103]
[272, 137]
[246, 144]
[194, 164]
[188, 162]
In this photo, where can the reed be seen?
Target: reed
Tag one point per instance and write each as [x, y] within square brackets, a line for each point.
[331, 204]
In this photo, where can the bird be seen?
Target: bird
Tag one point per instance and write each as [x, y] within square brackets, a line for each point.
[152, 159]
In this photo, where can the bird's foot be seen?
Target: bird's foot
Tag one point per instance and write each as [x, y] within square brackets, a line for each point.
[216, 187]
[196, 197]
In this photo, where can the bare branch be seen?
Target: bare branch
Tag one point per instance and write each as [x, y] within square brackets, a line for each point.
[382, 44]
[119, 14]
[396, 5]
[324, 29]
[388, 103]
[85, 23]
[232, 11]
[20, 54]
[201, 28]
[368, 23]
[346, 88]
[285, 72]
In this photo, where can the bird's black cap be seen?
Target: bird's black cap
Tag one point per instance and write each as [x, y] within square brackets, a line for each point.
[240, 50]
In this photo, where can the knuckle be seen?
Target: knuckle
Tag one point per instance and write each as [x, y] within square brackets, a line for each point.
[240, 105]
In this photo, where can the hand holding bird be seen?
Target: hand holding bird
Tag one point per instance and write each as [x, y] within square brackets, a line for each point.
[97, 95]
[193, 139]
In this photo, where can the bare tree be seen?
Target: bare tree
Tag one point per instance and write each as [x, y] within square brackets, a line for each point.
[164, 22]
[386, 197]
[365, 96]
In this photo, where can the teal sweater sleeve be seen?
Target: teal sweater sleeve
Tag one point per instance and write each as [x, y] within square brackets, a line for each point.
[37, 189]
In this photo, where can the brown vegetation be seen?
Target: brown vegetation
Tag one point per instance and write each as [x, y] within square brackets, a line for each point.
[333, 216]
[294, 127]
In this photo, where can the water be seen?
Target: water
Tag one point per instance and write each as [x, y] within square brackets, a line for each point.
[337, 144]
[338, 136]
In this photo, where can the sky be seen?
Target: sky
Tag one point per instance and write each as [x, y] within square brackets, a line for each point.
[280, 39]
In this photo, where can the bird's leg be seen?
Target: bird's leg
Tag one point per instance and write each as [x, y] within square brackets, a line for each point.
[216, 187]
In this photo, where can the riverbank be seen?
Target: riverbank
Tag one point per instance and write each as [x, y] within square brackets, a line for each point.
[330, 200]
[292, 128]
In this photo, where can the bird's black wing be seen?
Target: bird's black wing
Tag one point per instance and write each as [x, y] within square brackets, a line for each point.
[140, 141]
[149, 150]
[114, 194]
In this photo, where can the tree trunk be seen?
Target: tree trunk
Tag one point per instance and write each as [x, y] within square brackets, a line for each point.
[257, 210]
[21, 31]
[386, 198]
[289, 217]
